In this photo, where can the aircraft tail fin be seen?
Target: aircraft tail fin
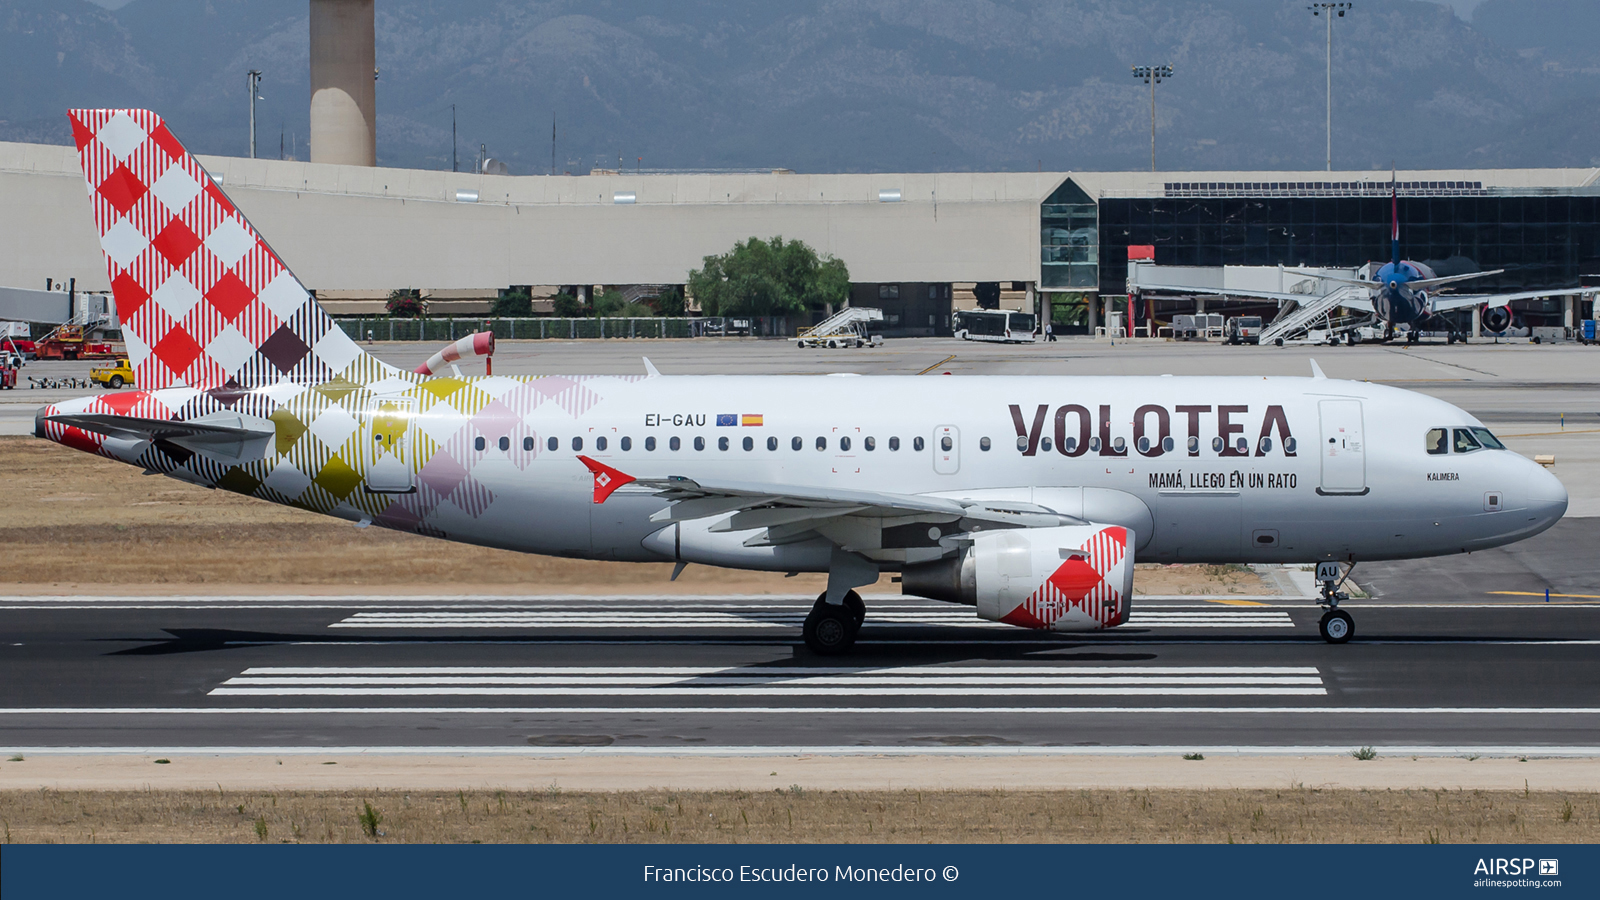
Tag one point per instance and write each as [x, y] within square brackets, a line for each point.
[1394, 218]
[203, 300]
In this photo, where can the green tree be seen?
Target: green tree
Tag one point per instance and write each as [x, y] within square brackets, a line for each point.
[669, 303]
[568, 307]
[769, 278]
[405, 303]
[512, 303]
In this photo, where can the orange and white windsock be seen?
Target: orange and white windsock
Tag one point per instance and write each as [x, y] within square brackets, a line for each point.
[478, 344]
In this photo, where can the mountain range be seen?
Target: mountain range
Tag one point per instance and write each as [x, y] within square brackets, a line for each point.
[847, 85]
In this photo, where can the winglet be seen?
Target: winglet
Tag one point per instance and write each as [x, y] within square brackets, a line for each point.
[650, 367]
[606, 479]
[1316, 370]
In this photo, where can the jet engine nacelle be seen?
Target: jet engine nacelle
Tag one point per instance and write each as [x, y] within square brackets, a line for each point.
[1066, 578]
[1496, 318]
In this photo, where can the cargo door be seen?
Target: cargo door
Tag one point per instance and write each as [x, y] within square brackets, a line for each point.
[391, 422]
[1344, 455]
[946, 450]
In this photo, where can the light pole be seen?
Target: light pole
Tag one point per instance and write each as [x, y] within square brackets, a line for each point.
[1332, 9]
[453, 137]
[255, 94]
[1152, 75]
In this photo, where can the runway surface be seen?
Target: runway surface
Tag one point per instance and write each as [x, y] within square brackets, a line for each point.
[1435, 664]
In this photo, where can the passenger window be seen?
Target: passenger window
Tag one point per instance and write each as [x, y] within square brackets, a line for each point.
[870, 443]
[722, 443]
[505, 443]
[527, 444]
[917, 444]
[894, 444]
[749, 444]
[477, 443]
[627, 443]
[1465, 442]
[822, 443]
[1044, 444]
[599, 443]
[1437, 441]
[553, 443]
[772, 443]
[796, 444]
[577, 443]
[844, 443]
[675, 443]
[650, 443]
[699, 443]
[1486, 439]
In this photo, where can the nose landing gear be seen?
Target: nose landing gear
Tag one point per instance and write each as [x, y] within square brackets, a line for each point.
[1336, 626]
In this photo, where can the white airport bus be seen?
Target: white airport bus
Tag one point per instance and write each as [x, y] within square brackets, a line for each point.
[1002, 326]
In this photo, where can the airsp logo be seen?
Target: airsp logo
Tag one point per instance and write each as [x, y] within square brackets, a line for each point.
[1515, 867]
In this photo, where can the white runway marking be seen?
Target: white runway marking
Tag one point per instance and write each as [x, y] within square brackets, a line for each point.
[751, 617]
[792, 710]
[757, 681]
[522, 750]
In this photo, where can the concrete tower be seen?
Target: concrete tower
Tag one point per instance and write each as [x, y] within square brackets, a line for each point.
[343, 100]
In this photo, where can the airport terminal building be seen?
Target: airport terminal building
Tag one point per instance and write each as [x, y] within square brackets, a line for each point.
[916, 243]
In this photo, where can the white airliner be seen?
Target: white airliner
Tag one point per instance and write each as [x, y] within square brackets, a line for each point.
[1028, 498]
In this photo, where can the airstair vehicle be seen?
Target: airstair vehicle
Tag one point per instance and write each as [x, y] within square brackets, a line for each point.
[845, 328]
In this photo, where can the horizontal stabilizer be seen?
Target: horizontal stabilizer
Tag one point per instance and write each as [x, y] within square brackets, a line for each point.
[230, 436]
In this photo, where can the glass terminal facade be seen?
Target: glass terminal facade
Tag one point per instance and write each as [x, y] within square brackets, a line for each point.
[1546, 239]
[1069, 256]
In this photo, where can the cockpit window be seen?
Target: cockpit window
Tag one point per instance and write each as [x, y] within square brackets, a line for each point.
[1438, 441]
[1465, 442]
[1487, 439]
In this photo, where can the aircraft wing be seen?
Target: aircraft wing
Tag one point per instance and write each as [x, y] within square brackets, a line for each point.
[791, 512]
[228, 435]
[1449, 302]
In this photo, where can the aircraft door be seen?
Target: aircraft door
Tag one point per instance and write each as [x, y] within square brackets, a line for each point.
[1344, 457]
[946, 449]
[390, 463]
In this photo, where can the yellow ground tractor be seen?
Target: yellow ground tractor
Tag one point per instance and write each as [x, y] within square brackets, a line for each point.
[115, 375]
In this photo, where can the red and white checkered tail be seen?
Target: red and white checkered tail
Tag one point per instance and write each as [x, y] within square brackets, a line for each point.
[203, 300]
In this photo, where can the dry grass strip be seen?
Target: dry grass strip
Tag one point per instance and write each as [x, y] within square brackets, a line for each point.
[795, 815]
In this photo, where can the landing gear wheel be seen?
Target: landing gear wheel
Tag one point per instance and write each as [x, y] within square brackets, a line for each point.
[1336, 626]
[852, 602]
[830, 630]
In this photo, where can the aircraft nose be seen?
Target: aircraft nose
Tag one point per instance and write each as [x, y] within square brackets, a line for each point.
[1547, 496]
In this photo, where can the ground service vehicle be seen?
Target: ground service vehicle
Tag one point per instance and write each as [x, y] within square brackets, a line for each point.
[1243, 330]
[1027, 498]
[1002, 326]
[113, 376]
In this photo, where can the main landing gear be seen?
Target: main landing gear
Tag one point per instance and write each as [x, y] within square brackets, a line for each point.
[831, 628]
[1337, 626]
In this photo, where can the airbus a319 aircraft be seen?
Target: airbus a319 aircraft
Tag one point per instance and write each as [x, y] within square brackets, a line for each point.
[1028, 498]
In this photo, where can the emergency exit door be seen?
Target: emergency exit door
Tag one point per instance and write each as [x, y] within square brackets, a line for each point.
[390, 455]
[1344, 455]
[946, 449]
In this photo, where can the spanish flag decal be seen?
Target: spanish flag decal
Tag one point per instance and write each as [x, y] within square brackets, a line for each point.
[748, 419]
